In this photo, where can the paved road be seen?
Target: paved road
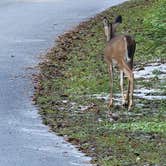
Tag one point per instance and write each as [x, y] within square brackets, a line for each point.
[28, 28]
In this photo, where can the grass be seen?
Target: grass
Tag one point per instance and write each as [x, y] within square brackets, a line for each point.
[75, 72]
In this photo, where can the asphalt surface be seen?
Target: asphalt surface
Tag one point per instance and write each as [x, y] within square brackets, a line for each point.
[27, 29]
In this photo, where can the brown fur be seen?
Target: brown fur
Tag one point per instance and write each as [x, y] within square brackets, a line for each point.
[120, 50]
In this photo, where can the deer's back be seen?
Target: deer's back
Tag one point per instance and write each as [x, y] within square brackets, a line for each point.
[119, 47]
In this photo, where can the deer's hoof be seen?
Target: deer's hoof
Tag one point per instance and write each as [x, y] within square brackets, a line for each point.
[110, 104]
[130, 107]
[125, 103]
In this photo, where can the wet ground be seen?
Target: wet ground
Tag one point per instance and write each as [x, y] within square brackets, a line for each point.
[27, 29]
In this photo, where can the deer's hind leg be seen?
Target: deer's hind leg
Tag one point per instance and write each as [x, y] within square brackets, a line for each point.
[127, 93]
[125, 96]
[131, 88]
[130, 65]
[122, 87]
[130, 76]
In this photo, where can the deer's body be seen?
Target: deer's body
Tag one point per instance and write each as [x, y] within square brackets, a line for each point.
[115, 49]
[120, 51]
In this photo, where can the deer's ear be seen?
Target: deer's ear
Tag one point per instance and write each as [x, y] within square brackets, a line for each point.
[118, 19]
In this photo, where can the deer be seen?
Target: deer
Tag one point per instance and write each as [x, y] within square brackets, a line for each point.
[119, 51]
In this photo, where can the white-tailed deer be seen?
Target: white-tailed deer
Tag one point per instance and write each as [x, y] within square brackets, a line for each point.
[120, 51]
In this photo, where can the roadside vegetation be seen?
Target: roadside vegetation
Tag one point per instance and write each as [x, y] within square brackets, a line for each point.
[72, 89]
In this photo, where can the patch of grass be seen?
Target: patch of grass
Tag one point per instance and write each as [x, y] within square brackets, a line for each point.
[144, 126]
[156, 72]
[75, 72]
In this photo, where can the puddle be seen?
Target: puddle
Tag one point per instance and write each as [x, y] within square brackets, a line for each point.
[149, 94]
[151, 71]
[106, 96]
[84, 108]
[102, 96]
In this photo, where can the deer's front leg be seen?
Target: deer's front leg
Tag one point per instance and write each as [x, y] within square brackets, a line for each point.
[111, 85]
[122, 90]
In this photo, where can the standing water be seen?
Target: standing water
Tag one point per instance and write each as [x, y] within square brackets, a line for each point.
[27, 28]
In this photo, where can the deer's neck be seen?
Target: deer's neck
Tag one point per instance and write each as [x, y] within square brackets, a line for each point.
[112, 31]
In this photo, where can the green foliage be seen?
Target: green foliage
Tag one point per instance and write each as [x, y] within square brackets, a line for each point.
[152, 38]
[143, 126]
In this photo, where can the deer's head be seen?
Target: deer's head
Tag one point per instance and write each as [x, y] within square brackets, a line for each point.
[110, 28]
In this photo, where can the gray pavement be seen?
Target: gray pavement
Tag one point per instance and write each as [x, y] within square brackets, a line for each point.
[27, 29]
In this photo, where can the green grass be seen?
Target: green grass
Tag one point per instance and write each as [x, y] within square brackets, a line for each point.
[75, 72]
[144, 126]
